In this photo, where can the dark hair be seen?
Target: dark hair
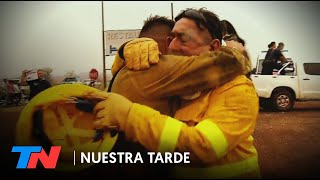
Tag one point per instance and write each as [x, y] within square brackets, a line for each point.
[280, 44]
[156, 20]
[271, 44]
[203, 19]
[228, 29]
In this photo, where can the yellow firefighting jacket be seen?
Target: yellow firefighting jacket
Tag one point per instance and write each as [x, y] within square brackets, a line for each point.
[179, 75]
[215, 128]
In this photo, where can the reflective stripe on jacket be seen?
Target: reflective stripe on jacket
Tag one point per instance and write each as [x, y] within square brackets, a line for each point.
[221, 140]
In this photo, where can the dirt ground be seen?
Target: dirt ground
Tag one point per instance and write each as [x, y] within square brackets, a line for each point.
[288, 143]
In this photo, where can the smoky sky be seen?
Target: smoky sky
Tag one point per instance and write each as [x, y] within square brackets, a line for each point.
[67, 35]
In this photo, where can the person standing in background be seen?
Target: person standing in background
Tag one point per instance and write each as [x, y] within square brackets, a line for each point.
[268, 63]
[271, 60]
[271, 47]
[36, 85]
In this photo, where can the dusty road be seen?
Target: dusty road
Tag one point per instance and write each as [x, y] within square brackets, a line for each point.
[288, 143]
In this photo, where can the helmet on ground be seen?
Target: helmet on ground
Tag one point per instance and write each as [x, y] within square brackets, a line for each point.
[62, 116]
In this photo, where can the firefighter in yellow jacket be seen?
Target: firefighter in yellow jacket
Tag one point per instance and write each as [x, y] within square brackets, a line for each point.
[215, 127]
[177, 76]
[174, 76]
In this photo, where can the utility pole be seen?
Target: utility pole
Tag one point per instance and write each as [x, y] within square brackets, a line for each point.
[103, 51]
[172, 11]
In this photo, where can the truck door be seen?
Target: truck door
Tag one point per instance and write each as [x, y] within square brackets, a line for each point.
[310, 80]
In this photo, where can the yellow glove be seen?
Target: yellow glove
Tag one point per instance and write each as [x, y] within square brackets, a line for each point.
[111, 110]
[245, 58]
[235, 44]
[140, 53]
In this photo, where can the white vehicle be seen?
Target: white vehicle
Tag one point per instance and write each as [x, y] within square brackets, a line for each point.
[88, 81]
[295, 81]
[71, 80]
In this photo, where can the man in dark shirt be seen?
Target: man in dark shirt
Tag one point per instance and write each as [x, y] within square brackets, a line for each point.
[277, 54]
[37, 85]
[271, 63]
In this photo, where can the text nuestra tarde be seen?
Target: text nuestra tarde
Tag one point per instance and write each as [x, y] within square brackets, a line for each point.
[127, 157]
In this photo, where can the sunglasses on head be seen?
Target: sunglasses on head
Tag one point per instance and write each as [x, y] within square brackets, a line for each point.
[196, 16]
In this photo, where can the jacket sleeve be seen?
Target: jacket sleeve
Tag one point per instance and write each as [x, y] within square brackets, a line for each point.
[118, 63]
[181, 75]
[230, 120]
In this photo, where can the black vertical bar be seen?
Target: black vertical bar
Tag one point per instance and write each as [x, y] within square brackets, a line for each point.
[172, 11]
[104, 53]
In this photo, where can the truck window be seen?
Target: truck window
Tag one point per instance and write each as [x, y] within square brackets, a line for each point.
[312, 68]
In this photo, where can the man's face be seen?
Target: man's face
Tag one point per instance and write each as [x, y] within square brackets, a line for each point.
[281, 47]
[187, 39]
[40, 74]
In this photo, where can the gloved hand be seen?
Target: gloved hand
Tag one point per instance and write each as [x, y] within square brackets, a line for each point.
[247, 66]
[235, 44]
[140, 53]
[111, 111]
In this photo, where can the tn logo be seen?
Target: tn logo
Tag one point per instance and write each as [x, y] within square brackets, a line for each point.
[29, 156]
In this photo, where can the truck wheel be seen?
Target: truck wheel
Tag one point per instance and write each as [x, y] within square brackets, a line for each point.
[282, 100]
